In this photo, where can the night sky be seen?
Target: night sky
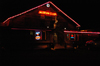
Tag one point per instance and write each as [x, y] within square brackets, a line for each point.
[85, 12]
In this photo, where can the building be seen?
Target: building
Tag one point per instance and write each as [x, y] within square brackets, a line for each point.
[44, 24]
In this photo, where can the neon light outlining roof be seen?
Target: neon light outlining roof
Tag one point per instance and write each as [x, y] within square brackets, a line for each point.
[82, 32]
[64, 31]
[40, 6]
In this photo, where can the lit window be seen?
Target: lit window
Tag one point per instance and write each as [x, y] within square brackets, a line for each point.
[31, 33]
[65, 28]
[67, 36]
[47, 26]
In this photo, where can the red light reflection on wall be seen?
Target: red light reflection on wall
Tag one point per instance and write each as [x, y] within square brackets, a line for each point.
[48, 13]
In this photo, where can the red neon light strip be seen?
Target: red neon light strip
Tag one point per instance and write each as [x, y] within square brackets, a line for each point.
[40, 6]
[26, 11]
[65, 14]
[82, 32]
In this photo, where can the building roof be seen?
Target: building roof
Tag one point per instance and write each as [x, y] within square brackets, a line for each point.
[40, 6]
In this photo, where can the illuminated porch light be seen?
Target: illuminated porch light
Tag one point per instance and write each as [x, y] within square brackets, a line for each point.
[48, 5]
[47, 26]
[65, 28]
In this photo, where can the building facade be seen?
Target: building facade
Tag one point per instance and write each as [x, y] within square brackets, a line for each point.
[44, 24]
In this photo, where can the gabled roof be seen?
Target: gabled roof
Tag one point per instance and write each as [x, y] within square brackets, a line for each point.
[40, 6]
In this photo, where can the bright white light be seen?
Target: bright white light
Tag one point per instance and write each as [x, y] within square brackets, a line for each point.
[65, 28]
[37, 32]
[48, 5]
[47, 26]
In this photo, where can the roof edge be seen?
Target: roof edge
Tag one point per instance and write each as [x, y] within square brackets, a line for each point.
[40, 6]
[65, 14]
[26, 11]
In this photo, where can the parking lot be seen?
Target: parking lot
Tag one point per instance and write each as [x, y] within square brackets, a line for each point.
[50, 57]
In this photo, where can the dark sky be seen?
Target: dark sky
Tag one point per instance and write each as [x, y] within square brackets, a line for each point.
[85, 12]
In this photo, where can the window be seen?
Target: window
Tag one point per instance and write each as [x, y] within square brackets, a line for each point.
[31, 32]
[67, 36]
[32, 35]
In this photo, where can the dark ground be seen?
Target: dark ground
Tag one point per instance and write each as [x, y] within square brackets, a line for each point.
[49, 57]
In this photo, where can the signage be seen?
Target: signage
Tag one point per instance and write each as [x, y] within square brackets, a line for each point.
[37, 35]
[47, 13]
[72, 36]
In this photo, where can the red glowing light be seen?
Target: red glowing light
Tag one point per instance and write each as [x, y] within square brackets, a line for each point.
[82, 32]
[72, 35]
[88, 34]
[47, 13]
[40, 12]
[43, 12]
[54, 14]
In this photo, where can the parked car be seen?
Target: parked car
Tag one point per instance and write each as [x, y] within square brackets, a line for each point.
[93, 44]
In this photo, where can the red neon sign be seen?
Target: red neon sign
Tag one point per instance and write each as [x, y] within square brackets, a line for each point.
[72, 35]
[48, 13]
